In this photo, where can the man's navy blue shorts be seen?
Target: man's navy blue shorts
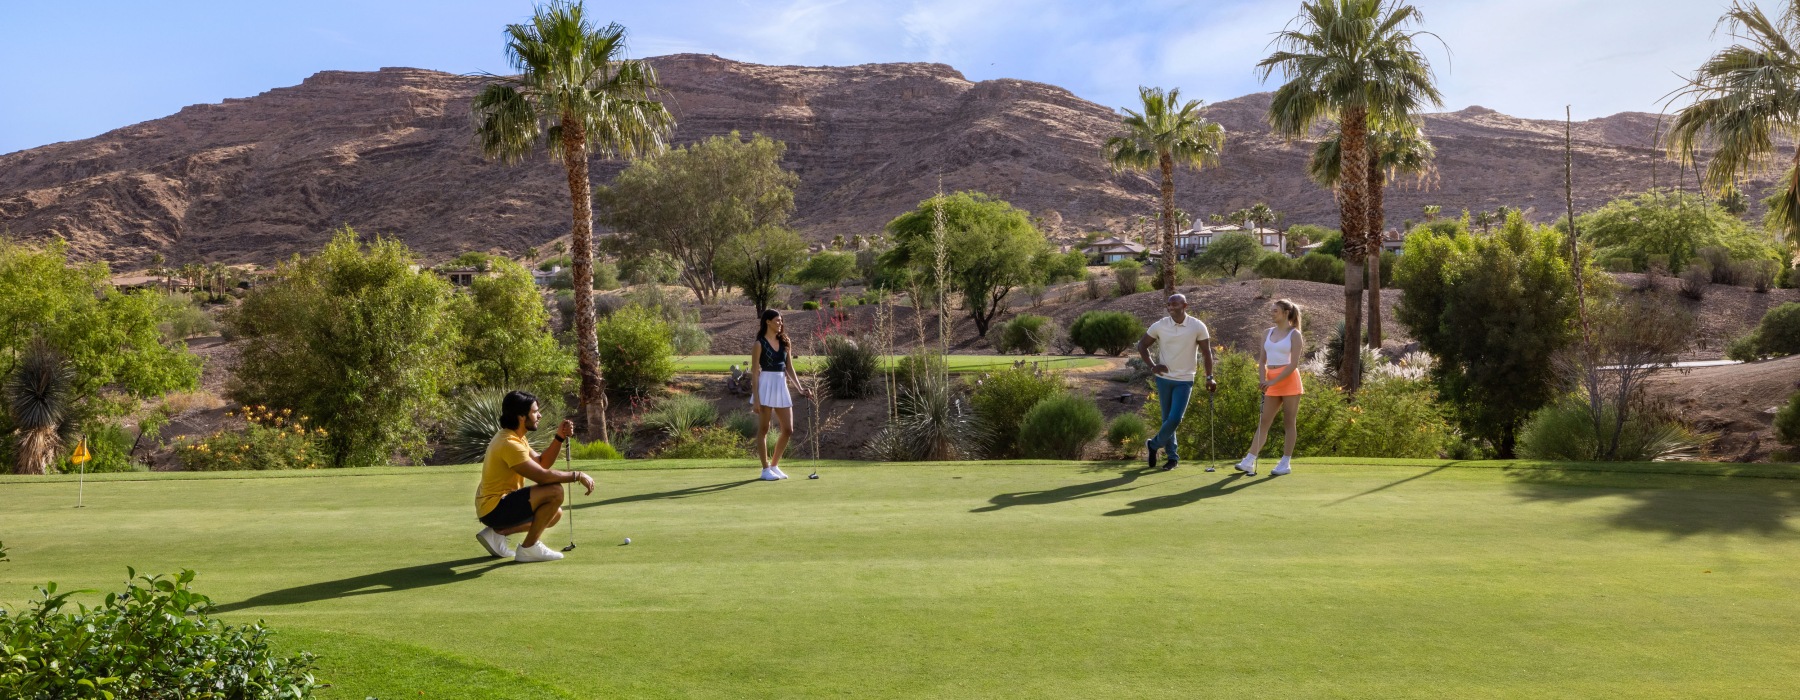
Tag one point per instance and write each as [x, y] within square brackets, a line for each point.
[514, 509]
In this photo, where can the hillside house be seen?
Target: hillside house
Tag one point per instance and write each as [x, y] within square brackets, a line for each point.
[1113, 249]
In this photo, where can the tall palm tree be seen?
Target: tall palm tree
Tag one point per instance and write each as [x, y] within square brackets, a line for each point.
[1348, 59]
[1394, 149]
[575, 93]
[1167, 133]
[1746, 99]
[1261, 214]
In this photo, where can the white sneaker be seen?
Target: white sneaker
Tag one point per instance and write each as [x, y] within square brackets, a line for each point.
[1247, 465]
[769, 475]
[779, 474]
[494, 542]
[536, 552]
[1281, 467]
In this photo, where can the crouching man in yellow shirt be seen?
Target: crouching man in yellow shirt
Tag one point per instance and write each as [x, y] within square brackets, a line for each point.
[503, 502]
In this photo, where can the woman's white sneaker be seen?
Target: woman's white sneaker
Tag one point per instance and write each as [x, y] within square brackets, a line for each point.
[536, 552]
[769, 475]
[494, 542]
[1281, 468]
[779, 474]
[1247, 465]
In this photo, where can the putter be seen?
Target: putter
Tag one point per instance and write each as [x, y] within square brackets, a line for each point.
[569, 461]
[1212, 433]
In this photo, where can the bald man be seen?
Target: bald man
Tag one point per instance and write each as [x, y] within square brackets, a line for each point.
[1180, 341]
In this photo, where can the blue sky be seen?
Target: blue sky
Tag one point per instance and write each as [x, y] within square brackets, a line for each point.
[74, 70]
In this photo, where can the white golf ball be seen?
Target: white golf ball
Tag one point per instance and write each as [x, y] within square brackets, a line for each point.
[628, 540]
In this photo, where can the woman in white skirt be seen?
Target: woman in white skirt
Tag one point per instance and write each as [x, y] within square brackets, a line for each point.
[770, 372]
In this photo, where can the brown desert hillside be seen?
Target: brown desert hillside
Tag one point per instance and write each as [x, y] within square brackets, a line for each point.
[390, 152]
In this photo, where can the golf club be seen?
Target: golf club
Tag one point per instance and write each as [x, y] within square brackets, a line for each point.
[569, 497]
[1212, 432]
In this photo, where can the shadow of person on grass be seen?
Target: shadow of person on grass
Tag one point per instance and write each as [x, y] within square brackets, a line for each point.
[1060, 495]
[689, 492]
[1223, 487]
[402, 579]
[1680, 506]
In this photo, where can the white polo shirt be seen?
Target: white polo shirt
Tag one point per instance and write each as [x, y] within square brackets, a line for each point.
[1178, 346]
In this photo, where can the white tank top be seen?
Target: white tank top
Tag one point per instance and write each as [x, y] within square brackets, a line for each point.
[1278, 353]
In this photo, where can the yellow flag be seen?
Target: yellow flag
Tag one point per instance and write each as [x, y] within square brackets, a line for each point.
[81, 453]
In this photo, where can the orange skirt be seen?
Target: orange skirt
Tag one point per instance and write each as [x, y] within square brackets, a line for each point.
[1286, 387]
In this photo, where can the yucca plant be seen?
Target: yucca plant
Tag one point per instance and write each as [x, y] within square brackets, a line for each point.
[930, 423]
[474, 423]
[41, 394]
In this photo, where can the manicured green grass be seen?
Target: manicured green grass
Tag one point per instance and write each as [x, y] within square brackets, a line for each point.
[976, 580]
[720, 364]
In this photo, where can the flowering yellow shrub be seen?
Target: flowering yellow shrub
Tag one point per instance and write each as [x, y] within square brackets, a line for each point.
[268, 439]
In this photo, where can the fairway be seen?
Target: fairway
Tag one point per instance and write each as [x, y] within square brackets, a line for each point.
[959, 364]
[981, 580]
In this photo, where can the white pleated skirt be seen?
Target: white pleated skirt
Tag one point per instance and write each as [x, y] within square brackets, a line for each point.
[772, 391]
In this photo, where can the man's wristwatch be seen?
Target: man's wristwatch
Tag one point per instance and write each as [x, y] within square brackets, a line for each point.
[561, 439]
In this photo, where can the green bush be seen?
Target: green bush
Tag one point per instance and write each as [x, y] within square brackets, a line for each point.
[1319, 267]
[1125, 433]
[743, 423]
[1001, 400]
[183, 318]
[1278, 267]
[1778, 335]
[1108, 331]
[686, 336]
[1126, 273]
[1395, 418]
[1564, 431]
[809, 306]
[1059, 427]
[705, 443]
[1027, 334]
[635, 350]
[850, 367]
[680, 414]
[909, 370]
[592, 450]
[270, 439]
[109, 447]
[1787, 421]
[154, 640]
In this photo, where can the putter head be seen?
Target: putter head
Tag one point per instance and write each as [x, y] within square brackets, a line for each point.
[813, 475]
[569, 548]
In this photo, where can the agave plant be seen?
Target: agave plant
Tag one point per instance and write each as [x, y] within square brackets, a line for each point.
[475, 422]
[930, 423]
[41, 394]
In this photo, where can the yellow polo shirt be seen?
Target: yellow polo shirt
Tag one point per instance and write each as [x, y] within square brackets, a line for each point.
[509, 449]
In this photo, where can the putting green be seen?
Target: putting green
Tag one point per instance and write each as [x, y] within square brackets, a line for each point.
[961, 364]
[982, 580]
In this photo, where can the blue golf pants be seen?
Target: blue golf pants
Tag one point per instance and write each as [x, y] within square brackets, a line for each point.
[1172, 398]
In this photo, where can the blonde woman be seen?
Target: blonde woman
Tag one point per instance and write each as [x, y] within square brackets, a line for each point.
[770, 371]
[1278, 361]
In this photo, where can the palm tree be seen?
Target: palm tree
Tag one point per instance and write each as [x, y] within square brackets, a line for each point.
[1486, 220]
[1393, 149]
[1261, 214]
[1746, 101]
[1431, 212]
[575, 93]
[1167, 133]
[40, 393]
[1349, 59]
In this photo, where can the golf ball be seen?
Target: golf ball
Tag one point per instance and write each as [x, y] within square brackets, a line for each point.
[628, 540]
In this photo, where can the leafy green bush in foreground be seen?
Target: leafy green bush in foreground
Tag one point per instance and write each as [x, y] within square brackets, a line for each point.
[152, 641]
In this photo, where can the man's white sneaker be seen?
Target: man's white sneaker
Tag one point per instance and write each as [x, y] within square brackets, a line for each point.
[1281, 468]
[494, 542]
[1247, 465]
[769, 475]
[536, 552]
[779, 474]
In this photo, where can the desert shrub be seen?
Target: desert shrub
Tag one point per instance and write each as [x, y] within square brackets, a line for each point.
[1564, 431]
[1027, 334]
[911, 368]
[1696, 279]
[1126, 273]
[1001, 400]
[1777, 335]
[1108, 331]
[743, 423]
[705, 443]
[1395, 418]
[592, 450]
[1318, 267]
[1758, 275]
[109, 447]
[270, 439]
[1035, 292]
[686, 336]
[1060, 426]
[1785, 277]
[1125, 433]
[1277, 267]
[1787, 421]
[850, 367]
[606, 275]
[183, 318]
[635, 350]
[929, 422]
[679, 414]
[809, 306]
[153, 640]
[1094, 290]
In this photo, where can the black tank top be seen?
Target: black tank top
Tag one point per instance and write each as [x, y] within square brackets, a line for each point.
[772, 360]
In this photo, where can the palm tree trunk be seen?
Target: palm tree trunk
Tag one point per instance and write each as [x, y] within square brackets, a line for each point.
[1168, 224]
[1353, 203]
[592, 395]
[1377, 225]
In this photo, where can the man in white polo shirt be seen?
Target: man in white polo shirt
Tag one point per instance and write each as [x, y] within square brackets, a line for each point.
[1180, 340]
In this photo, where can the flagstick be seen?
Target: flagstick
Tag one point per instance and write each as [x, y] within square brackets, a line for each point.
[81, 486]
